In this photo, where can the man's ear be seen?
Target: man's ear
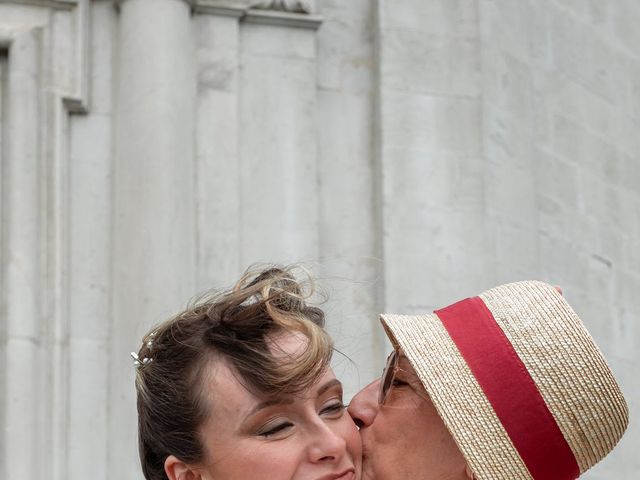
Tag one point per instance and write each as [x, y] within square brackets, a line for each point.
[469, 473]
[178, 470]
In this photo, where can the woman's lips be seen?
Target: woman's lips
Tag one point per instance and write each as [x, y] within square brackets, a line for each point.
[346, 475]
[350, 475]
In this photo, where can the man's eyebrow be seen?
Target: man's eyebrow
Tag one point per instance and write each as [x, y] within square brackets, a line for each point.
[404, 365]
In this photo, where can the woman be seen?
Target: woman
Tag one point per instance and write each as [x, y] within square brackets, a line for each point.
[239, 387]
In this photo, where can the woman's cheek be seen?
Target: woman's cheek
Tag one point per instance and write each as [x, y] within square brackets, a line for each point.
[284, 460]
[352, 438]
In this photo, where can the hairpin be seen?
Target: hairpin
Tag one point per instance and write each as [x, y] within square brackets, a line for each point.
[150, 341]
[136, 359]
[137, 362]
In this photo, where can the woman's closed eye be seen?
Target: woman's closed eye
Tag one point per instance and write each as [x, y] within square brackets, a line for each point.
[274, 429]
[333, 409]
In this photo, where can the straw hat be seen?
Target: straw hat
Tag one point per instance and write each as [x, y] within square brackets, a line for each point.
[518, 381]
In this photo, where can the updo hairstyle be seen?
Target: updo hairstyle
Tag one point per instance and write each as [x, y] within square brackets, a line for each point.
[237, 326]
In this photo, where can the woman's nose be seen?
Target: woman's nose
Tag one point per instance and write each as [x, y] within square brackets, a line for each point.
[328, 445]
[364, 405]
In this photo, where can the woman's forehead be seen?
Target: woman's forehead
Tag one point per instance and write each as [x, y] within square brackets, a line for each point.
[221, 377]
[231, 403]
[287, 344]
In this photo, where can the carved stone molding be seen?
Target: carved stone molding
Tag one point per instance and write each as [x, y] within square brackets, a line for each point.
[283, 19]
[77, 100]
[191, 3]
[57, 4]
[75, 97]
[283, 13]
[293, 6]
[223, 8]
[227, 7]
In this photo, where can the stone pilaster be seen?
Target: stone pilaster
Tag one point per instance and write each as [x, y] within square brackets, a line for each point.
[153, 192]
[278, 173]
[218, 137]
[90, 266]
[348, 214]
[24, 257]
[429, 159]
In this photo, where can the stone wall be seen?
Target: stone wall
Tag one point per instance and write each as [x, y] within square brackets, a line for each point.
[411, 153]
[559, 85]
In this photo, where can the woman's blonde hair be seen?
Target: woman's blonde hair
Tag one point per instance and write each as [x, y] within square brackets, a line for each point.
[238, 326]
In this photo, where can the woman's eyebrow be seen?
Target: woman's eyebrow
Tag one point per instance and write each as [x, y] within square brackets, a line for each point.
[268, 403]
[331, 383]
[276, 401]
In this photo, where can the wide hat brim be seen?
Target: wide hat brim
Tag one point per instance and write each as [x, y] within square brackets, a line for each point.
[561, 358]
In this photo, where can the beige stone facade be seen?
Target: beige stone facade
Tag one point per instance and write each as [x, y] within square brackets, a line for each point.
[410, 152]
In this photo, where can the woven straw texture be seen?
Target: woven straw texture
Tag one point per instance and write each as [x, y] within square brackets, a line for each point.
[561, 357]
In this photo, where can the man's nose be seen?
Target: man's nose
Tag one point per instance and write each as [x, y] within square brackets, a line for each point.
[364, 405]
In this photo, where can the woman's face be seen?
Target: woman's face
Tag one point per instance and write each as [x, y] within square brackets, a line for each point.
[307, 437]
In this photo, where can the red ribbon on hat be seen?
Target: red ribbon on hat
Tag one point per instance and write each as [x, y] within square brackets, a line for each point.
[511, 391]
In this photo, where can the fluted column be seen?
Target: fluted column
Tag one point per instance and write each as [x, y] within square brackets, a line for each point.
[153, 222]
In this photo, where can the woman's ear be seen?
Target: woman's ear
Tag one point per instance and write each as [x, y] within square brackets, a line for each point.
[178, 470]
[469, 473]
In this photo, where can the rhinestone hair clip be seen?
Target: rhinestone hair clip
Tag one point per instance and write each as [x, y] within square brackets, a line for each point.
[137, 361]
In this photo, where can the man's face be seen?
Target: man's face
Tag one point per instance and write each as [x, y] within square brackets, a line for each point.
[405, 437]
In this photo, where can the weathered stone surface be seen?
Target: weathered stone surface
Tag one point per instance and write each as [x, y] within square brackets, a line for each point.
[217, 157]
[557, 117]
[278, 163]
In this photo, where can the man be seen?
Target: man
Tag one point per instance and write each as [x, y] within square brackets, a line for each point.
[507, 385]
[408, 437]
